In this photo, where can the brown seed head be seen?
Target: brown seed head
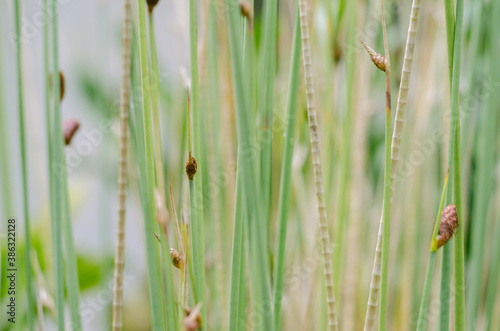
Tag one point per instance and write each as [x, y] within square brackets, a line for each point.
[246, 11]
[191, 167]
[377, 59]
[177, 259]
[62, 84]
[192, 321]
[448, 224]
[151, 5]
[70, 126]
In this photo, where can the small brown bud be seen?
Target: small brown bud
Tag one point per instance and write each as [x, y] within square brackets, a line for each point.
[191, 167]
[177, 259]
[151, 5]
[192, 321]
[70, 126]
[62, 84]
[377, 59]
[157, 236]
[246, 11]
[448, 225]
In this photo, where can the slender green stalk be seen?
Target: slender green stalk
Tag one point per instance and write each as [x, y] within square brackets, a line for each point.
[154, 87]
[286, 171]
[152, 253]
[57, 143]
[117, 319]
[267, 67]
[24, 168]
[494, 271]
[259, 270]
[197, 239]
[424, 305]
[237, 258]
[493, 276]
[446, 269]
[316, 159]
[488, 121]
[395, 147]
[73, 285]
[345, 162]
[454, 152]
[386, 211]
[197, 229]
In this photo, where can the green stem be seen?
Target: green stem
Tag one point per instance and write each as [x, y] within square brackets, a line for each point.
[237, 259]
[260, 275]
[444, 315]
[386, 210]
[154, 87]
[24, 168]
[73, 285]
[57, 143]
[197, 218]
[286, 171]
[424, 305]
[152, 251]
[454, 152]
[267, 67]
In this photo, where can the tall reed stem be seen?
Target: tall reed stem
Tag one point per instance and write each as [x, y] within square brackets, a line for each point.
[454, 157]
[152, 250]
[261, 295]
[286, 171]
[316, 159]
[58, 159]
[386, 211]
[196, 201]
[24, 169]
[116, 323]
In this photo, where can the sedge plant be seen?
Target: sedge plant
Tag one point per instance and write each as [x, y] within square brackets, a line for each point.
[117, 318]
[316, 160]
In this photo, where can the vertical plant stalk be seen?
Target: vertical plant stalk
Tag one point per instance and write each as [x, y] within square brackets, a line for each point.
[318, 175]
[386, 211]
[57, 143]
[261, 294]
[197, 239]
[267, 67]
[24, 169]
[237, 258]
[154, 87]
[152, 250]
[72, 283]
[180, 242]
[397, 133]
[117, 319]
[424, 305]
[458, 247]
[286, 172]
[197, 228]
